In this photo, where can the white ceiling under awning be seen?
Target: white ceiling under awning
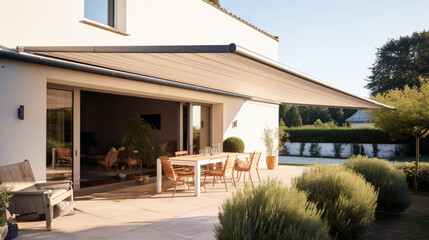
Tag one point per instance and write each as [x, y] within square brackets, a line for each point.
[234, 70]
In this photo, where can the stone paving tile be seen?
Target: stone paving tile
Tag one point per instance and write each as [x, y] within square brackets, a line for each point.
[129, 211]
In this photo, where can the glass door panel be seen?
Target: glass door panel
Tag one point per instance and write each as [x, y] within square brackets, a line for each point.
[59, 134]
[200, 127]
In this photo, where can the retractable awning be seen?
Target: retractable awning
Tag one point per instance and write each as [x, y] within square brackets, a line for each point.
[224, 68]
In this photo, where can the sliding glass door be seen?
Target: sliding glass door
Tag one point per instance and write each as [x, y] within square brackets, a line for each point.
[59, 134]
[200, 127]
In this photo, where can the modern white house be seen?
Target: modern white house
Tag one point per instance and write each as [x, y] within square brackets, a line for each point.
[72, 73]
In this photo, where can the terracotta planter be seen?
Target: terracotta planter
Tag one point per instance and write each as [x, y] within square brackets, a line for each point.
[271, 162]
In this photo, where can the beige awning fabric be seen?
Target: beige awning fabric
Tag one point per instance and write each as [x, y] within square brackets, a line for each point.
[228, 68]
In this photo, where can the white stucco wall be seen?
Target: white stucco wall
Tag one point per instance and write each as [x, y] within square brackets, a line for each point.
[22, 139]
[327, 149]
[251, 119]
[149, 22]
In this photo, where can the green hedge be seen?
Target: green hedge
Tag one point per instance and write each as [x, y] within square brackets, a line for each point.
[346, 200]
[422, 177]
[338, 135]
[270, 211]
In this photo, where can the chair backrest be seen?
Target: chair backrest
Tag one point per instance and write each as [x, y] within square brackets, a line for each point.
[229, 164]
[124, 154]
[111, 157]
[17, 176]
[181, 153]
[255, 160]
[167, 167]
[64, 153]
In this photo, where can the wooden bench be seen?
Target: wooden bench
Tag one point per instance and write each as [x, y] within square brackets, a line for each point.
[31, 198]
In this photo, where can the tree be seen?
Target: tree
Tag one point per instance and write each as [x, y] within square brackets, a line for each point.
[400, 62]
[411, 116]
[310, 114]
[293, 119]
[336, 114]
[282, 111]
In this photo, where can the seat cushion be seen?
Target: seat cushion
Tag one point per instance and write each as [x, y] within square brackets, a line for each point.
[243, 165]
[63, 208]
[57, 192]
[217, 171]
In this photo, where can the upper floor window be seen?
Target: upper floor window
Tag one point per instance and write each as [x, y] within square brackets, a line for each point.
[101, 11]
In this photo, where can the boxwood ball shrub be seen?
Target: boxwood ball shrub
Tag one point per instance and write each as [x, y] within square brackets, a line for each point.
[422, 177]
[346, 200]
[233, 144]
[270, 211]
[393, 193]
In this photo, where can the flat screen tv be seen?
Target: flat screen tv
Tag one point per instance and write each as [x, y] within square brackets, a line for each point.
[153, 119]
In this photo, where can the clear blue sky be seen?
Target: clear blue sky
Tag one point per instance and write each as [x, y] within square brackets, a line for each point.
[332, 40]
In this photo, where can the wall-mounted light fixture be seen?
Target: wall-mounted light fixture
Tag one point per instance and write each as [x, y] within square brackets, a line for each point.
[234, 124]
[21, 112]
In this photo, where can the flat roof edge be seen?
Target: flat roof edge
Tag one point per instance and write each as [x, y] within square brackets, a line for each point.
[230, 48]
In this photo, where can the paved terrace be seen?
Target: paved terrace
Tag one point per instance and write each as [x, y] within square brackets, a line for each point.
[129, 211]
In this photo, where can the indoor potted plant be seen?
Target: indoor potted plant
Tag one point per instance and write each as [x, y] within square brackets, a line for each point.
[273, 144]
[140, 140]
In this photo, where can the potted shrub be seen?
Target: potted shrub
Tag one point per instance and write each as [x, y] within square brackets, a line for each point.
[4, 203]
[140, 140]
[272, 147]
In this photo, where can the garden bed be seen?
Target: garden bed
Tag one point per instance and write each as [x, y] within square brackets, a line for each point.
[413, 223]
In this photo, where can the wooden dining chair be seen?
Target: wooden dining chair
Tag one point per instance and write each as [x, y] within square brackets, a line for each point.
[181, 153]
[254, 162]
[177, 176]
[227, 169]
[64, 157]
[190, 168]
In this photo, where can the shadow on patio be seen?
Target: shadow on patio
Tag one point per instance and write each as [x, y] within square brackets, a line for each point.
[129, 211]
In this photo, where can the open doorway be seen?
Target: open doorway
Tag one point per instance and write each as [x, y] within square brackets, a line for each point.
[104, 121]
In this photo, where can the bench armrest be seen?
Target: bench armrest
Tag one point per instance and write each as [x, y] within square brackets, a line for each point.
[65, 184]
[26, 193]
[55, 183]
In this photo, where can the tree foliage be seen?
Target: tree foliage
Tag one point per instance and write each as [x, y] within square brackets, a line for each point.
[282, 111]
[311, 114]
[400, 62]
[411, 116]
[293, 118]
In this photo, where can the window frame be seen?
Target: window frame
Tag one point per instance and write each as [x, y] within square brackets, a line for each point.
[111, 15]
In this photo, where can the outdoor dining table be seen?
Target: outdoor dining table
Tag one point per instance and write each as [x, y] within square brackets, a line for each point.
[196, 161]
